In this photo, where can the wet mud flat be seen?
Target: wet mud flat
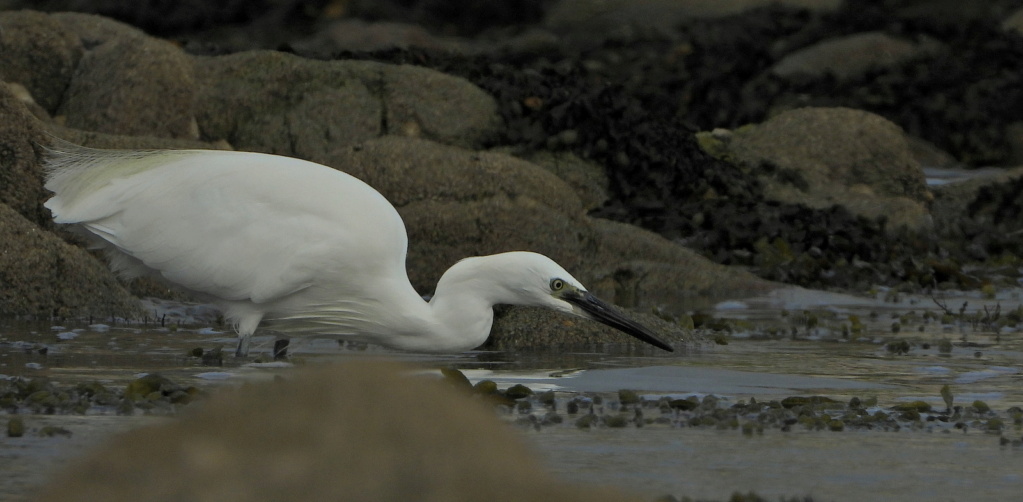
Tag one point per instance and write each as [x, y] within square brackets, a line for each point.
[786, 397]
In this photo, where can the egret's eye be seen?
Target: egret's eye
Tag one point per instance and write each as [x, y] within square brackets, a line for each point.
[557, 284]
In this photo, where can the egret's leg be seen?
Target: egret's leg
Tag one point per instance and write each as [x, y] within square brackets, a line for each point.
[243, 345]
[247, 324]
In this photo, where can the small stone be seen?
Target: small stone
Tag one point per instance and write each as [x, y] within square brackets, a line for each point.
[142, 388]
[455, 378]
[547, 398]
[626, 396]
[15, 427]
[213, 357]
[586, 421]
[485, 387]
[52, 430]
[918, 406]
[572, 407]
[683, 404]
[518, 391]
[616, 421]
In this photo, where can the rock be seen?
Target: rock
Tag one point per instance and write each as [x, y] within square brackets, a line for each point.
[586, 22]
[626, 396]
[1014, 136]
[391, 436]
[279, 103]
[38, 53]
[518, 391]
[972, 202]
[21, 187]
[821, 157]
[929, 155]
[127, 82]
[852, 55]
[641, 270]
[1014, 22]
[142, 387]
[358, 35]
[589, 180]
[426, 103]
[15, 427]
[44, 276]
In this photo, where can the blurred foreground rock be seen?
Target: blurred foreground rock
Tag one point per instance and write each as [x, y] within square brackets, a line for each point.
[360, 431]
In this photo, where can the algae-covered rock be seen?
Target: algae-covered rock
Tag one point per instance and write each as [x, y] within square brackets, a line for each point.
[485, 387]
[280, 103]
[980, 406]
[852, 55]
[821, 157]
[546, 398]
[587, 421]
[616, 421]
[53, 430]
[143, 387]
[626, 396]
[518, 391]
[918, 406]
[456, 378]
[684, 404]
[822, 401]
[15, 427]
[44, 276]
[127, 82]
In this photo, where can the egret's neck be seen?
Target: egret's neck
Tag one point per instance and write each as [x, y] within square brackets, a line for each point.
[390, 312]
[460, 314]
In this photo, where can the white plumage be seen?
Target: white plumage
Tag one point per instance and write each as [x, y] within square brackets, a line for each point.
[310, 248]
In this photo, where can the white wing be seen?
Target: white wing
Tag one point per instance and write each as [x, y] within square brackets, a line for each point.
[238, 226]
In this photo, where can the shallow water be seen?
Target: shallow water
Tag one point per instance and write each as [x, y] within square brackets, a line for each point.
[855, 465]
[774, 350]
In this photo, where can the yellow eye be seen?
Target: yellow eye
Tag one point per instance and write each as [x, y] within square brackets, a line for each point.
[557, 284]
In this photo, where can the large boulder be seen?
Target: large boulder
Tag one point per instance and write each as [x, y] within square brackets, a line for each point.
[43, 276]
[40, 54]
[280, 103]
[822, 157]
[586, 22]
[127, 82]
[21, 187]
[852, 55]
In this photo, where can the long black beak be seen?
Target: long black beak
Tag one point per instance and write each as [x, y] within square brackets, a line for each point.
[604, 313]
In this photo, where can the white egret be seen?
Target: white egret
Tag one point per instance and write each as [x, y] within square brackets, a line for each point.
[308, 248]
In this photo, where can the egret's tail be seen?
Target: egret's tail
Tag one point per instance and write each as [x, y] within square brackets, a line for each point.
[74, 172]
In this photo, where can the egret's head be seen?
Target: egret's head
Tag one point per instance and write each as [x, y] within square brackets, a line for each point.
[534, 279]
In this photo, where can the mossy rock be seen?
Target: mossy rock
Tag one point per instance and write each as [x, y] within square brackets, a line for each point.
[143, 387]
[793, 401]
[626, 396]
[917, 406]
[518, 391]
